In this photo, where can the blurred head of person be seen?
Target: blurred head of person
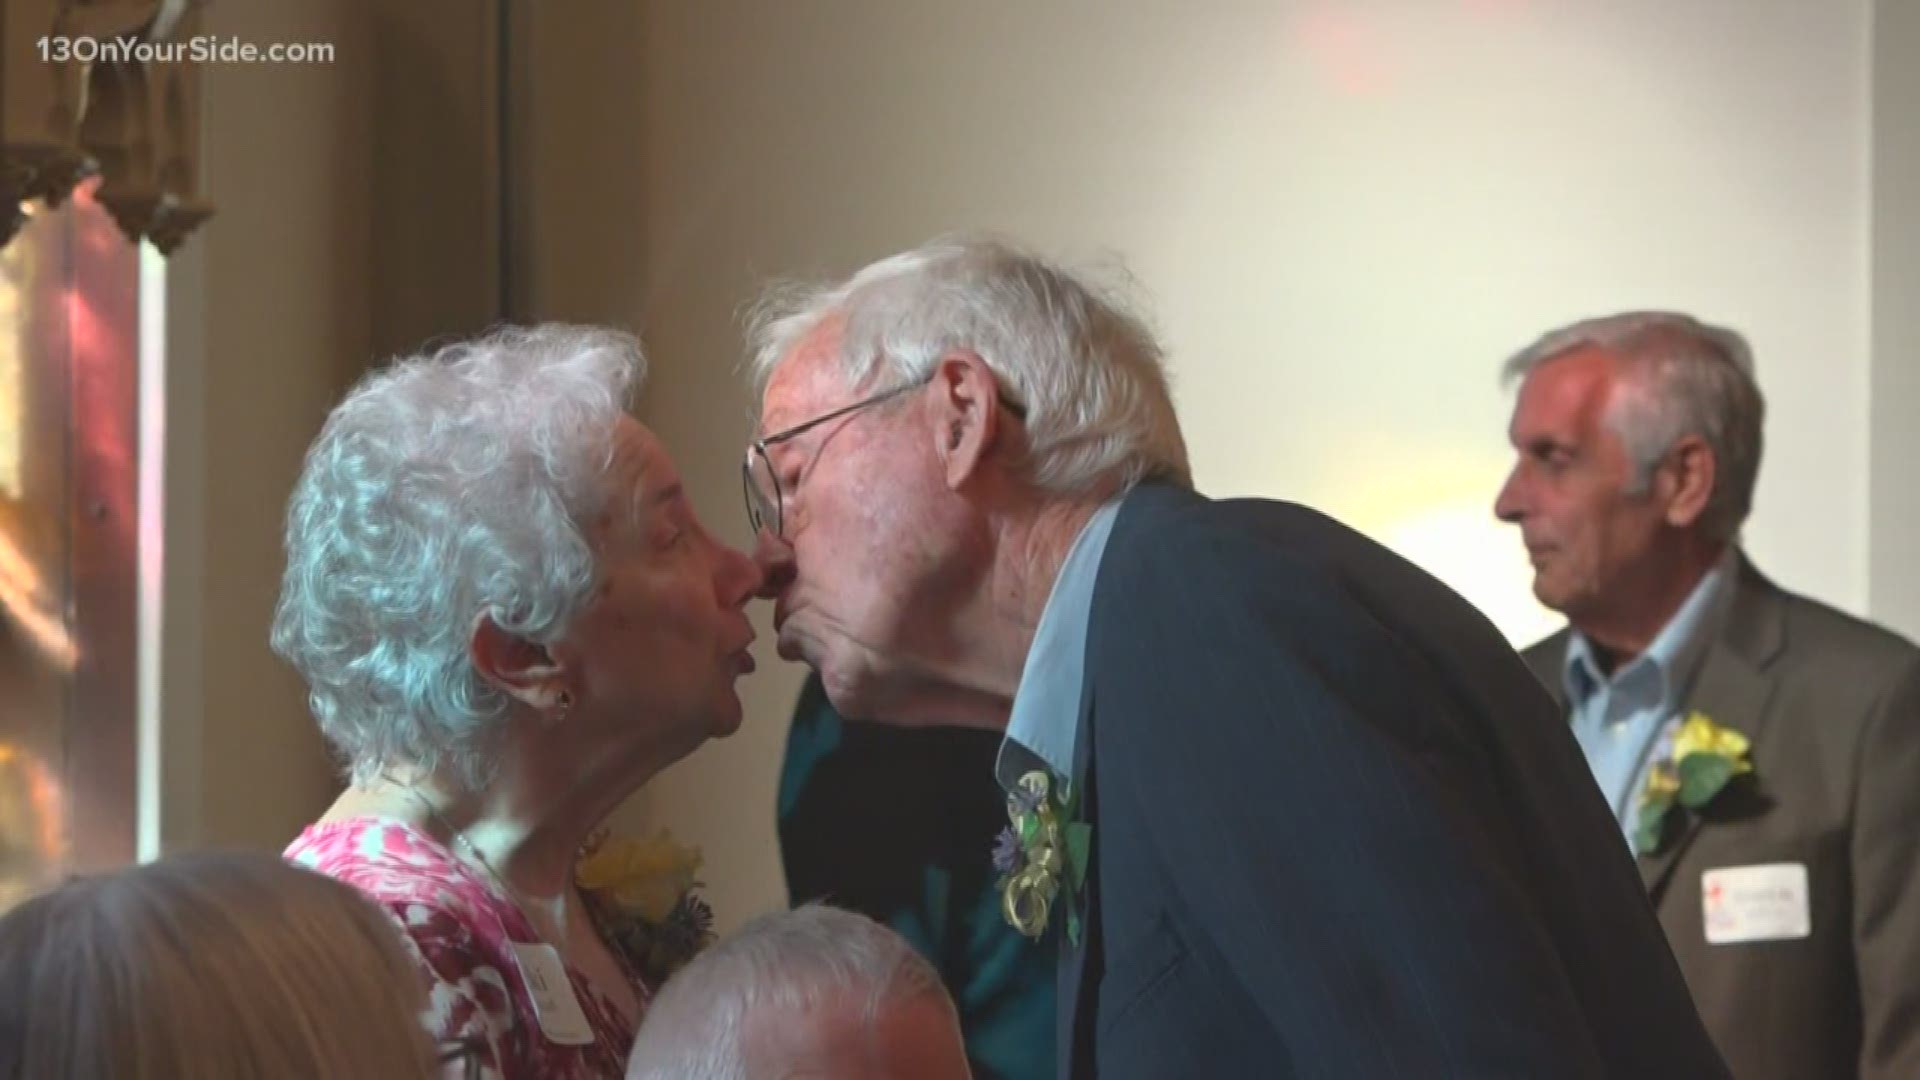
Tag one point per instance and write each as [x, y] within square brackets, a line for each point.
[216, 966]
[813, 992]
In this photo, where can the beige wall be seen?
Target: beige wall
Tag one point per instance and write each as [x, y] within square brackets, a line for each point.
[287, 156]
[1342, 216]
[1894, 531]
[428, 69]
[356, 218]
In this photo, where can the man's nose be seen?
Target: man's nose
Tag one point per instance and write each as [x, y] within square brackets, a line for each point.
[774, 556]
[1508, 505]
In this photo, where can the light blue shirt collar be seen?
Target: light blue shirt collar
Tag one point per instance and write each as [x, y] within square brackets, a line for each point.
[1661, 674]
[1045, 722]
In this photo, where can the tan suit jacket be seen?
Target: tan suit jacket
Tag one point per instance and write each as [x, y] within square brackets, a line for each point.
[1832, 706]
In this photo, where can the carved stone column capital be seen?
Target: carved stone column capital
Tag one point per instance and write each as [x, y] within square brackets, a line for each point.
[101, 111]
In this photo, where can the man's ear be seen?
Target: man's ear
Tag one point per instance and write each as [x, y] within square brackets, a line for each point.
[966, 414]
[1691, 473]
[519, 668]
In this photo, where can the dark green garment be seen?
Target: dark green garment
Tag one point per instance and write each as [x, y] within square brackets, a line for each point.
[898, 824]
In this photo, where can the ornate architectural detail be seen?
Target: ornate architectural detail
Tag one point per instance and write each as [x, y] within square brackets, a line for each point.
[102, 111]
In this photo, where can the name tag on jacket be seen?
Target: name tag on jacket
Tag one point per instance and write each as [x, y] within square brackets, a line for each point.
[1755, 903]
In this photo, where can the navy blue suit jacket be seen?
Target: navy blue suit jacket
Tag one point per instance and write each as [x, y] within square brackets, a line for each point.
[1339, 829]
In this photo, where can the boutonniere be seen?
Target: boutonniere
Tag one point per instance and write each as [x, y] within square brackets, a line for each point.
[1704, 757]
[1042, 856]
[644, 893]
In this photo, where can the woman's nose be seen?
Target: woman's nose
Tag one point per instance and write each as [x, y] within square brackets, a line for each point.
[738, 576]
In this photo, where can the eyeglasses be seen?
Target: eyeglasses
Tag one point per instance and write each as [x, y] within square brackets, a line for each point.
[766, 505]
[766, 502]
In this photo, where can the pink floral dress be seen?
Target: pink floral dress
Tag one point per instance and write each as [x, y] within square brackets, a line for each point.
[460, 927]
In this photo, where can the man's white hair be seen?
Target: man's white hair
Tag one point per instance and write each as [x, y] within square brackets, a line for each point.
[1685, 377]
[713, 1019]
[447, 486]
[1099, 414]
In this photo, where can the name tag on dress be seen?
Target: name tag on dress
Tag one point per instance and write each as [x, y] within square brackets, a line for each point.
[554, 1005]
[1755, 903]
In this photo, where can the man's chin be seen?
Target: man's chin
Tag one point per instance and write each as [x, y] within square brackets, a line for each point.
[847, 673]
[1551, 596]
[851, 696]
[792, 647]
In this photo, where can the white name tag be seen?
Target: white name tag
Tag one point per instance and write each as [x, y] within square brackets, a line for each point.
[1755, 903]
[554, 1005]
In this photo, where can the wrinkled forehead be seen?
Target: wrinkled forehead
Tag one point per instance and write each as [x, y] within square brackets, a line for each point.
[639, 476]
[835, 1037]
[643, 459]
[823, 1038]
[808, 381]
[1568, 392]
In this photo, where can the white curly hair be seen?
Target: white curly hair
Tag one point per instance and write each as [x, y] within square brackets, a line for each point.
[447, 486]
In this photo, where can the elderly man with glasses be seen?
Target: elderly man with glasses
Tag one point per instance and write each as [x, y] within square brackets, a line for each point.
[1298, 808]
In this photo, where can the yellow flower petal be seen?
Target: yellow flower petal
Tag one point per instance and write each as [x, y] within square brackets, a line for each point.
[648, 877]
[1662, 780]
[1699, 735]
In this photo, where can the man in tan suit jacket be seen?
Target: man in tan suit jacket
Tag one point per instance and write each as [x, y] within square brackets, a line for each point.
[1791, 894]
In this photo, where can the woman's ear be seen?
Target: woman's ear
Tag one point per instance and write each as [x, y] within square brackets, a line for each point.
[522, 669]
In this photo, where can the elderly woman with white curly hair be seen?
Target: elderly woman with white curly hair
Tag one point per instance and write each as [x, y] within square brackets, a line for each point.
[508, 618]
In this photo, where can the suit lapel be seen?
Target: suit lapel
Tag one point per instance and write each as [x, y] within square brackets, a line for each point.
[1079, 964]
[1548, 661]
[1732, 689]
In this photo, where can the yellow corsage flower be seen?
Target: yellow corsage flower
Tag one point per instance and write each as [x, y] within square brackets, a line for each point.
[647, 877]
[1699, 735]
[643, 893]
[1703, 758]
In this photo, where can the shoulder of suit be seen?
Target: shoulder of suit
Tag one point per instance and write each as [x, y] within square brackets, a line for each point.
[1163, 528]
[1550, 650]
[1169, 538]
[1547, 656]
[1819, 631]
[1156, 512]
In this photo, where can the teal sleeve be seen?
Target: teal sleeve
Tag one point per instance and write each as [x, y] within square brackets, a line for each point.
[898, 824]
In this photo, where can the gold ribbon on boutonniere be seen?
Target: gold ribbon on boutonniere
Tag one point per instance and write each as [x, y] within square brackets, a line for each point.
[1704, 759]
[1042, 856]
